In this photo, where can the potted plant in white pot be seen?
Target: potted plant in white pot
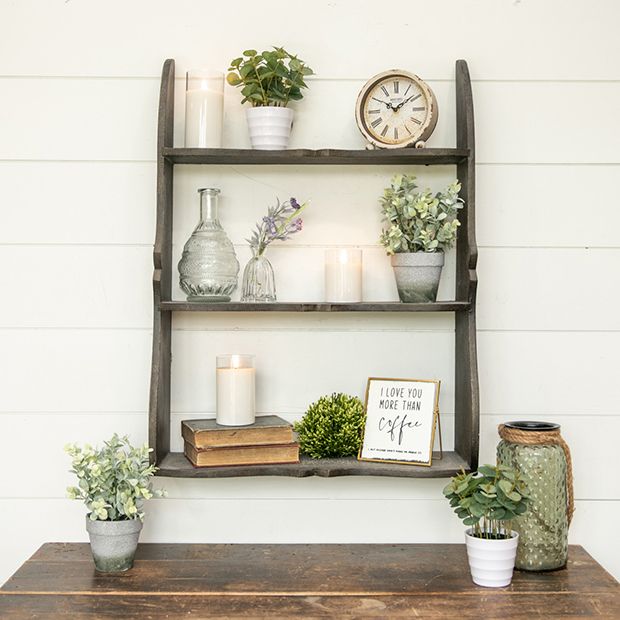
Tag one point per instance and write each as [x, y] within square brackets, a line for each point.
[269, 81]
[113, 481]
[488, 501]
[421, 226]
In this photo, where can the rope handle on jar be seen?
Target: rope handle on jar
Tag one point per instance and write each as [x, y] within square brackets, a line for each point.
[537, 438]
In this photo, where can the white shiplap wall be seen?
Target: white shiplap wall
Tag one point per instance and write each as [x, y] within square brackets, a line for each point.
[78, 98]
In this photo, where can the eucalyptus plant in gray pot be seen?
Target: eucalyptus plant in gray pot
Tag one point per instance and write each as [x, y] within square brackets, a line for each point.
[113, 481]
[420, 226]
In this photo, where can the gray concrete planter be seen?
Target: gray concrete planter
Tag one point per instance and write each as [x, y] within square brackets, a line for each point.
[113, 543]
[417, 275]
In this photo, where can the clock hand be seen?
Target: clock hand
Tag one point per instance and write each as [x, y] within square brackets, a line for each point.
[387, 103]
[402, 103]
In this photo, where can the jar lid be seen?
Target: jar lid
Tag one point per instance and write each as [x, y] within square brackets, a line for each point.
[532, 426]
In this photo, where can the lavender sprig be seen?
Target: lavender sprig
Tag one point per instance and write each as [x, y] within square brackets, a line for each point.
[281, 221]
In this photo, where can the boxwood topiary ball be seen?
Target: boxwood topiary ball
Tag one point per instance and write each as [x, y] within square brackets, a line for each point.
[332, 427]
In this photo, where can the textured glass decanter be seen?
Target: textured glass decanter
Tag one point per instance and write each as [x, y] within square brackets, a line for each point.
[209, 266]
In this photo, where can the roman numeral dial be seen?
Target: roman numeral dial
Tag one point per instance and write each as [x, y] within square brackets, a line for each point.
[396, 109]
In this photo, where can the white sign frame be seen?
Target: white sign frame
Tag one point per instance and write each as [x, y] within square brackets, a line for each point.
[394, 408]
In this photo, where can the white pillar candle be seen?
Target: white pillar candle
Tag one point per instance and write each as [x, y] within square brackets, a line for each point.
[235, 390]
[343, 275]
[204, 109]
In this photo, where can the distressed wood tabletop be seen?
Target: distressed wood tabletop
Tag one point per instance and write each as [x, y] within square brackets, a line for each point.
[284, 581]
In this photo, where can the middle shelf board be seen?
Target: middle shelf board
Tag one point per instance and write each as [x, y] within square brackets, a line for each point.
[369, 306]
[406, 156]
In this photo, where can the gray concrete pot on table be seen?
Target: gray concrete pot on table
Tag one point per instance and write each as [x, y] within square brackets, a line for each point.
[113, 543]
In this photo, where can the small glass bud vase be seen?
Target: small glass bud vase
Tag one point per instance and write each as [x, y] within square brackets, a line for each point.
[259, 282]
[209, 267]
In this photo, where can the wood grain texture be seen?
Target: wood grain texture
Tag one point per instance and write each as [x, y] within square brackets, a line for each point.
[176, 465]
[198, 306]
[159, 401]
[296, 157]
[284, 580]
[466, 393]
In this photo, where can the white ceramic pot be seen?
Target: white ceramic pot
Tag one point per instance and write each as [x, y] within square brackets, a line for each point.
[491, 562]
[417, 275]
[269, 127]
[113, 543]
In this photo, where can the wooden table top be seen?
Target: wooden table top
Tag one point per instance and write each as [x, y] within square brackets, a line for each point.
[283, 581]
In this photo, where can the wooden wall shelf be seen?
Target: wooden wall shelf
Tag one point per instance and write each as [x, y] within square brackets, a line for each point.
[466, 418]
[291, 306]
[324, 157]
[176, 465]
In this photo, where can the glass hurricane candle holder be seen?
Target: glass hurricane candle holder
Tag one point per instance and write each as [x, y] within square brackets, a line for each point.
[343, 275]
[235, 388]
[204, 108]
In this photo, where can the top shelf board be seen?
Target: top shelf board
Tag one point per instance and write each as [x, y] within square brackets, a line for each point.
[406, 156]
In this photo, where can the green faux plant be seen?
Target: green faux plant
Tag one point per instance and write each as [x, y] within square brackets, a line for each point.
[271, 78]
[114, 480]
[419, 221]
[488, 500]
[332, 427]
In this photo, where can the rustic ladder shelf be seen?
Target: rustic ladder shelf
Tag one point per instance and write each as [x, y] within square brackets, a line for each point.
[466, 424]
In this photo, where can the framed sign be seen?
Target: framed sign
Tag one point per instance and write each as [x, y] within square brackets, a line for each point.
[401, 415]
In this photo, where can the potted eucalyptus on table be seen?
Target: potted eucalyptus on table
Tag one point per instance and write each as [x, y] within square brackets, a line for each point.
[269, 81]
[489, 501]
[421, 226]
[113, 481]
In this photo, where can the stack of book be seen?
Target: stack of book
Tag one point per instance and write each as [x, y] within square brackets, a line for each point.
[266, 442]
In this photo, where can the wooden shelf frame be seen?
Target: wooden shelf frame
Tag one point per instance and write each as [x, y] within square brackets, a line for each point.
[466, 425]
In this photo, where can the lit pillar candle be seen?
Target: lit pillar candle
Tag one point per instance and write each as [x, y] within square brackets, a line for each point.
[235, 388]
[343, 275]
[204, 109]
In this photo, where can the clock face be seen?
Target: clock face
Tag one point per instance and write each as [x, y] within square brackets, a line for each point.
[396, 109]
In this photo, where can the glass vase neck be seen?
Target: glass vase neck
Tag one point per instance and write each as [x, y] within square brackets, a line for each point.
[209, 204]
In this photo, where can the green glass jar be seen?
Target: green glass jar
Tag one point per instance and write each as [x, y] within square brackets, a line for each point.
[538, 452]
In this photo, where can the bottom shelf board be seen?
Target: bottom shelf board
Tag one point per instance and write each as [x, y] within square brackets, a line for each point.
[175, 465]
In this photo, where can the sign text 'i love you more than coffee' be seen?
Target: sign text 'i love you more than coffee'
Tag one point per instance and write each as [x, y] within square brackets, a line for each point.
[401, 415]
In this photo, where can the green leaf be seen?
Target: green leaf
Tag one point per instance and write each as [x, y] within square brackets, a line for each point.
[250, 53]
[514, 496]
[246, 70]
[448, 489]
[476, 509]
[233, 79]
[461, 488]
[505, 486]
[487, 470]
[498, 514]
